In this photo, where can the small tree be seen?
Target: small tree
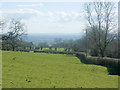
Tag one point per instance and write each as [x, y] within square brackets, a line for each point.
[55, 49]
[50, 48]
[42, 45]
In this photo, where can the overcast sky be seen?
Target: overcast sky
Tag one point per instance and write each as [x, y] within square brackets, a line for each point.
[47, 17]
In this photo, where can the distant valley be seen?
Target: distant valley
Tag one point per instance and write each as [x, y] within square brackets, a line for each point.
[36, 38]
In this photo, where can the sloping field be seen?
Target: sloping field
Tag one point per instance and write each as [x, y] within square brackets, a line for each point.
[38, 70]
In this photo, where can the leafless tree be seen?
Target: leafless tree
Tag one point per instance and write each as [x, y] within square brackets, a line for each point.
[2, 26]
[101, 22]
[15, 31]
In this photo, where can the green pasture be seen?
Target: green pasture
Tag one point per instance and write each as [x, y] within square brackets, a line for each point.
[41, 70]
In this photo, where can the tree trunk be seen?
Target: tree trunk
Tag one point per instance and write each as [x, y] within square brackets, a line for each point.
[102, 53]
[13, 48]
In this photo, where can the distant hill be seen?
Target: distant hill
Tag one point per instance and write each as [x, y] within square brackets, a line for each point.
[36, 38]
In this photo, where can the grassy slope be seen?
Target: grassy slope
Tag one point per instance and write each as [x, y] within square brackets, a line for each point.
[0, 69]
[52, 70]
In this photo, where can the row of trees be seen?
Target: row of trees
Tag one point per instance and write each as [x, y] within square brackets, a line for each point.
[101, 37]
[82, 46]
[101, 31]
[12, 36]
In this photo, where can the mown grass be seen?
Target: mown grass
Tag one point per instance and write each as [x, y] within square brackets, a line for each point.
[40, 70]
[0, 69]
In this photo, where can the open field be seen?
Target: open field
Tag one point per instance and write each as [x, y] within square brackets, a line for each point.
[40, 70]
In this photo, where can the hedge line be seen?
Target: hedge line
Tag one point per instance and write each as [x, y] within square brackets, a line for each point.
[55, 52]
[113, 65]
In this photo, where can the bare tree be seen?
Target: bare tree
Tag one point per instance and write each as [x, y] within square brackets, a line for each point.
[2, 27]
[100, 17]
[15, 31]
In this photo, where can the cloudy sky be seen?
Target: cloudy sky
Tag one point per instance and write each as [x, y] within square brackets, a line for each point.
[47, 17]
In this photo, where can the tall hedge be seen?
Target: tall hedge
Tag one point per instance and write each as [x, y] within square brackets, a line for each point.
[113, 65]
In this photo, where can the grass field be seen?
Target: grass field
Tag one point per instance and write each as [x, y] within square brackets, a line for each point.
[40, 70]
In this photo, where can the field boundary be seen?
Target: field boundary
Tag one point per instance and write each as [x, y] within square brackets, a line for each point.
[112, 64]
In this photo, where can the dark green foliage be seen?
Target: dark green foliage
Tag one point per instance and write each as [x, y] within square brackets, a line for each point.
[82, 57]
[55, 52]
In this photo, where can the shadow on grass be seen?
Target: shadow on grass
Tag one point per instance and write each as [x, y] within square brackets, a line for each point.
[112, 71]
